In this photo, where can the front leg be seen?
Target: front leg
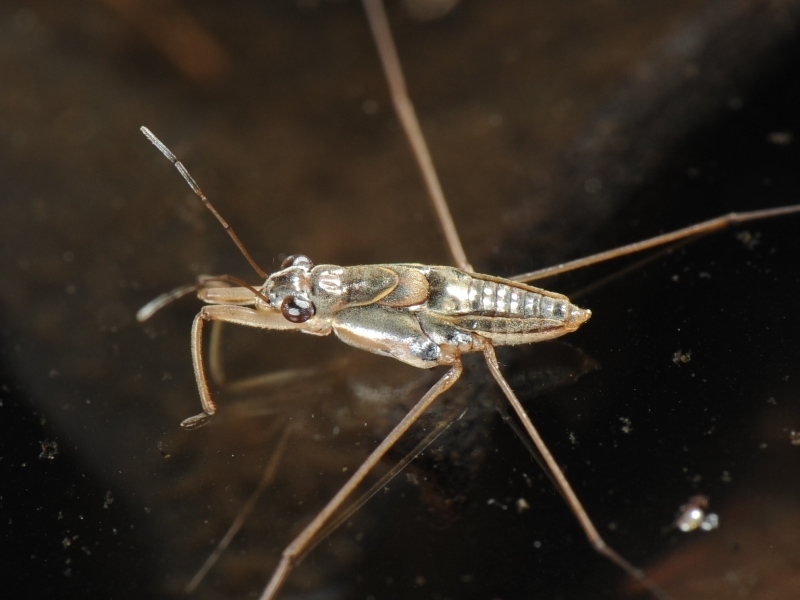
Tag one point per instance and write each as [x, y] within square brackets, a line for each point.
[216, 368]
[222, 313]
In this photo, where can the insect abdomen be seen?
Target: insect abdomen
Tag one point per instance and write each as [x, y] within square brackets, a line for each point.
[499, 299]
[506, 311]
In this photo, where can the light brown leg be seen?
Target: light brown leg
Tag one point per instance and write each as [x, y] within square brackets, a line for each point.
[697, 230]
[156, 304]
[442, 426]
[306, 537]
[209, 407]
[240, 315]
[216, 366]
[561, 481]
[404, 108]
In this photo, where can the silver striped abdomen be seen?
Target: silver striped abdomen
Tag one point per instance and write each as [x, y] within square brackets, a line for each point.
[505, 311]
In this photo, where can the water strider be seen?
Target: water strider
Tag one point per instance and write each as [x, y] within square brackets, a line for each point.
[423, 315]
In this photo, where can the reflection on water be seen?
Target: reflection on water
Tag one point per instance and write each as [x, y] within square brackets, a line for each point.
[337, 415]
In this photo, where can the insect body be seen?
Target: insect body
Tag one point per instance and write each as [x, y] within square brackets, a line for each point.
[422, 315]
[425, 316]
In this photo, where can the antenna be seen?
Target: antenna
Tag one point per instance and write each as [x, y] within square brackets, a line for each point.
[196, 189]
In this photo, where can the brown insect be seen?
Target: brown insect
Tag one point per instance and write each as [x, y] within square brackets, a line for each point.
[423, 315]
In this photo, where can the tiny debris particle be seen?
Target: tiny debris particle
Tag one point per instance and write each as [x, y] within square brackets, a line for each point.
[680, 357]
[522, 505]
[493, 502]
[750, 240]
[49, 450]
[689, 520]
[794, 438]
[109, 499]
[162, 449]
[626, 425]
[693, 516]
[710, 522]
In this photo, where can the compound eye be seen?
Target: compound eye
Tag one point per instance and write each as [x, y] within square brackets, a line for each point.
[296, 260]
[297, 310]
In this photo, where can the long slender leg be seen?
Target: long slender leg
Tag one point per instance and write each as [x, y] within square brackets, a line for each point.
[216, 366]
[209, 406]
[156, 304]
[561, 481]
[396, 469]
[404, 108]
[691, 231]
[239, 315]
[301, 542]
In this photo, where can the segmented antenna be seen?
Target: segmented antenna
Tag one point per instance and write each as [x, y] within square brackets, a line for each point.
[196, 189]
